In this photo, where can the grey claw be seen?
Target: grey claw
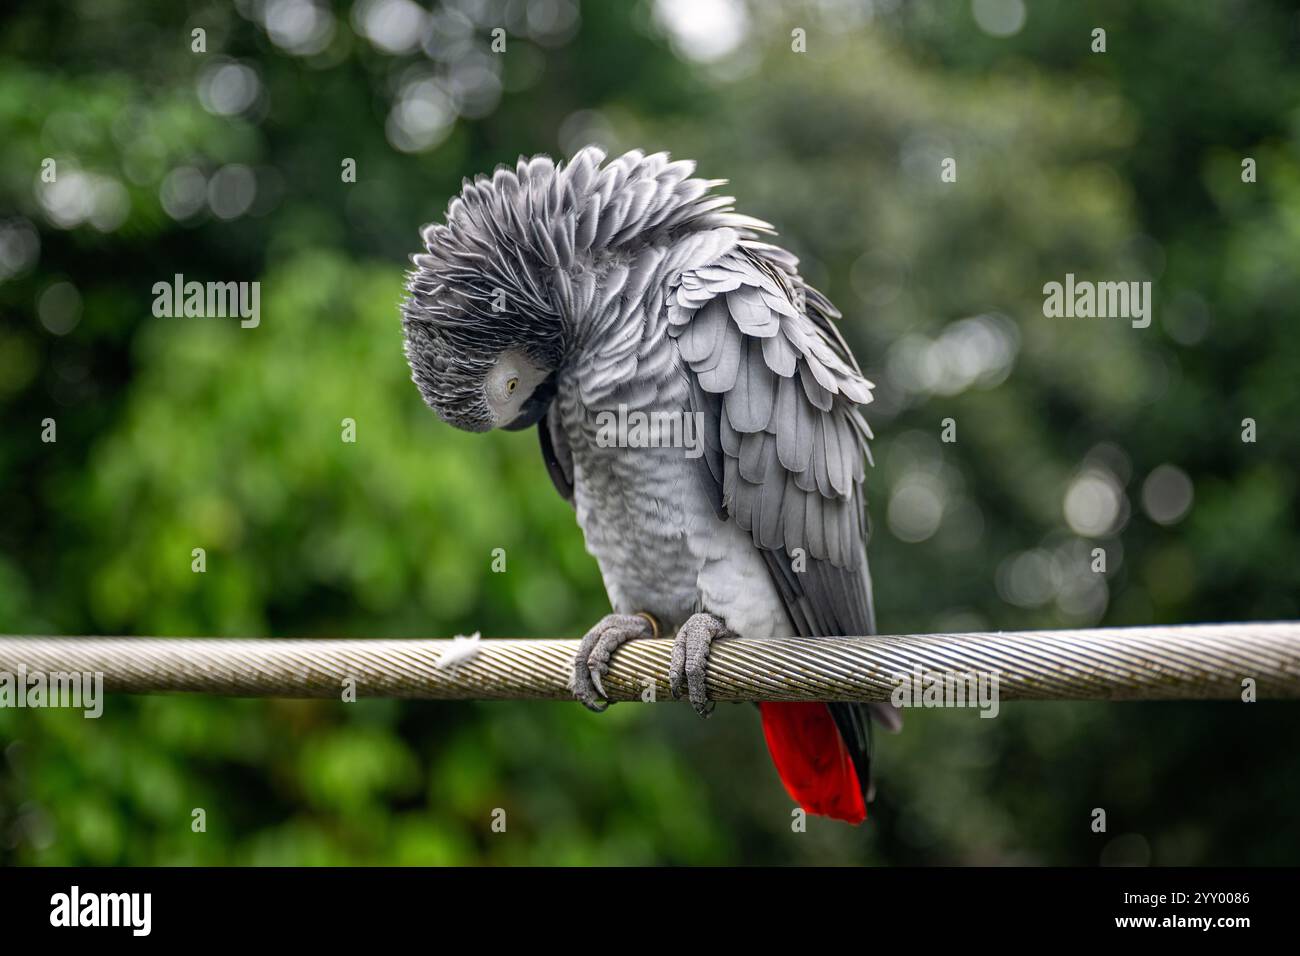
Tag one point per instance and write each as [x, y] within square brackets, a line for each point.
[677, 667]
[690, 658]
[591, 663]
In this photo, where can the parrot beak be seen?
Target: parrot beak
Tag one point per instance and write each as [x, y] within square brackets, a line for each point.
[535, 408]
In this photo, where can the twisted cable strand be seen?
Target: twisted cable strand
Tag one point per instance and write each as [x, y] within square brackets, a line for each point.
[1203, 661]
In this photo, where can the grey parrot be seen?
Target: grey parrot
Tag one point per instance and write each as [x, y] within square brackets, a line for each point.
[573, 296]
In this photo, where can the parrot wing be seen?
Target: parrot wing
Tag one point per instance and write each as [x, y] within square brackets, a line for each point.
[784, 453]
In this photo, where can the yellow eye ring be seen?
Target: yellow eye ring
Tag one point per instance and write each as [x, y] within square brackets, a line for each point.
[511, 385]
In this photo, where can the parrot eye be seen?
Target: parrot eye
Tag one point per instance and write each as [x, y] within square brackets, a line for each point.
[510, 387]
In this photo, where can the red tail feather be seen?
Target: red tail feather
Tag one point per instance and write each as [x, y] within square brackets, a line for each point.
[812, 760]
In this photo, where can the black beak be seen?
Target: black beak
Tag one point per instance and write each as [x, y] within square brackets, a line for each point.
[535, 408]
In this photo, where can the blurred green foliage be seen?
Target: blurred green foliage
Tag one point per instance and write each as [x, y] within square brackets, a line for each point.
[182, 433]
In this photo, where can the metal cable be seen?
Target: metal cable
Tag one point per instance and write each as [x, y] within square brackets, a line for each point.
[1203, 661]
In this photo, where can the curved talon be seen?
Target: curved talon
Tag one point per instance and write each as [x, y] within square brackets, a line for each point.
[690, 658]
[591, 662]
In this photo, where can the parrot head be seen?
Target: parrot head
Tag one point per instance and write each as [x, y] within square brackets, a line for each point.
[513, 286]
[483, 336]
[481, 384]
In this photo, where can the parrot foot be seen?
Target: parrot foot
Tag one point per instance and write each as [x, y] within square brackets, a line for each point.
[691, 657]
[591, 663]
